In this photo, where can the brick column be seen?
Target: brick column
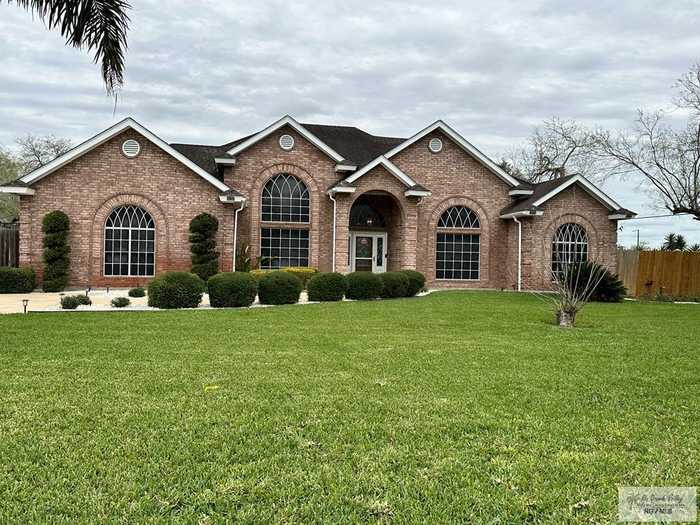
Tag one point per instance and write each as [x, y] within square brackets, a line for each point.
[342, 233]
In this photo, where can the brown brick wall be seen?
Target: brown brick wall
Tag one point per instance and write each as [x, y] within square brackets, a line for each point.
[91, 186]
[87, 190]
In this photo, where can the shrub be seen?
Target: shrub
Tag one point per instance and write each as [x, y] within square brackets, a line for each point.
[139, 291]
[176, 290]
[609, 290]
[416, 282]
[279, 288]
[303, 273]
[232, 289]
[395, 284]
[70, 302]
[205, 258]
[17, 280]
[55, 226]
[327, 287]
[364, 285]
[83, 299]
[120, 302]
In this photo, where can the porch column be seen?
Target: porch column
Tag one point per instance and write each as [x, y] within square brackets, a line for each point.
[342, 233]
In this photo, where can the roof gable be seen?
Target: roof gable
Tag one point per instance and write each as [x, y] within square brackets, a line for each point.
[104, 136]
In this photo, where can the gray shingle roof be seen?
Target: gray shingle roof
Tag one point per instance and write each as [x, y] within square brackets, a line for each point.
[540, 190]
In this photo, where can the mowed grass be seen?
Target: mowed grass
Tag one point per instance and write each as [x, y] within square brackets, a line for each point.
[466, 407]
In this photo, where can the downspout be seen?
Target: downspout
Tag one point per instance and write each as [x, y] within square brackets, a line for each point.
[330, 194]
[235, 234]
[520, 253]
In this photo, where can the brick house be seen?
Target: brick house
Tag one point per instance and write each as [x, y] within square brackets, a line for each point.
[330, 197]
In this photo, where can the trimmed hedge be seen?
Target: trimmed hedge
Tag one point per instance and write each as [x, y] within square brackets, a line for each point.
[17, 280]
[176, 290]
[232, 289]
[304, 273]
[120, 302]
[139, 291]
[71, 302]
[364, 285]
[416, 282]
[279, 288]
[395, 284]
[205, 258]
[329, 286]
[83, 299]
[55, 226]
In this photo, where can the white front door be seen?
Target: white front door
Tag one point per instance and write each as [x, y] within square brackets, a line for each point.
[368, 252]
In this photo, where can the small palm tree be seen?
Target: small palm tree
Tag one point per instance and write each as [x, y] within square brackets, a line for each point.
[695, 248]
[98, 25]
[674, 241]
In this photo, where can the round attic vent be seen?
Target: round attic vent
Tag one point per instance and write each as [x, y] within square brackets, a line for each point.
[286, 142]
[435, 145]
[131, 148]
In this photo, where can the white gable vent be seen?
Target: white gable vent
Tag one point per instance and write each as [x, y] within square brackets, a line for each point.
[435, 145]
[131, 148]
[286, 142]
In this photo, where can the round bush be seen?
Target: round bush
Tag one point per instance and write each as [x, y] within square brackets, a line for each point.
[232, 289]
[70, 302]
[327, 287]
[364, 285]
[16, 280]
[279, 288]
[120, 302]
[176, 290]
[137, 292]
[395, 285]
[83, 300]
[416, 282]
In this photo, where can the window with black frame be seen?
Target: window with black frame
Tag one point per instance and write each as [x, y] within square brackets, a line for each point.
[457, 248]
[129, 243]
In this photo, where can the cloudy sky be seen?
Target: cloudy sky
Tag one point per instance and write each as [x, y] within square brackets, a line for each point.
[209, 72]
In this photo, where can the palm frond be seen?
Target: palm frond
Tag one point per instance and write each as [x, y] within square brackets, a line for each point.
[100, 26]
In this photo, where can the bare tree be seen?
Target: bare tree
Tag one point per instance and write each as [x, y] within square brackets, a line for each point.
[9, 170]
[556, 148]
[667, 158]
[35, 152]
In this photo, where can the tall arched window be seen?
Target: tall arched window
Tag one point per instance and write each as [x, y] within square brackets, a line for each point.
[129, 242]
[457, 249]
[569, 245]
[285, 198]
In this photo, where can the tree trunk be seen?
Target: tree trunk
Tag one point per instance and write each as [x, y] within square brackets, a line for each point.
[566, 319]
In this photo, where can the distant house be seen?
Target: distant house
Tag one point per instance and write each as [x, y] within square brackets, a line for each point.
[330, 197]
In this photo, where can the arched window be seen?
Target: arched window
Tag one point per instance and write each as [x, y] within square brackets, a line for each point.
[285, 198]
[129, 242]
[458, 244]
[569, 245]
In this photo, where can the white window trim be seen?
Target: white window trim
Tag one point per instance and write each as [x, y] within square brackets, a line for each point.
[465, 231]
[287, 120]
[104, 253]
[104, 136]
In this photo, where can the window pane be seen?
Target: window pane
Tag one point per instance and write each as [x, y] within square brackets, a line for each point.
[457, 256]
[569, 246]
[285, 198]
[281, 248]
[129, 242]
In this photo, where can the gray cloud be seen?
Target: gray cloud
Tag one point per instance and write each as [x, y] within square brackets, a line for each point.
[211, 71]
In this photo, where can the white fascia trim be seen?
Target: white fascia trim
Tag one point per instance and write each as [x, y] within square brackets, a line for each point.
[228, 162]
[618, 217]
[417, 193]
[17, 190]
[287, 121]
[345, 167]
[234, 199]
[513, 193]
[524, 213]
[588, 185]
[342, 189]
[390, 167]
[462, 142]
[100, 138]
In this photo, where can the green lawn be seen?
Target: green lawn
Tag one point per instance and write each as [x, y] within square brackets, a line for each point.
[456, 407]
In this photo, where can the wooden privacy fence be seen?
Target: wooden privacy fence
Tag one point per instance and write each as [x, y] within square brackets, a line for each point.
[9, 244]
[659, 272]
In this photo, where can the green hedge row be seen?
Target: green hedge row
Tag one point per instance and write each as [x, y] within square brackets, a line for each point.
[17, 280]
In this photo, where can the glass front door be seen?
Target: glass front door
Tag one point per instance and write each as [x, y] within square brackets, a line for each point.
[368, 252]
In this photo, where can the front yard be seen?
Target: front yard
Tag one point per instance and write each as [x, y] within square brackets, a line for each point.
[455, 407]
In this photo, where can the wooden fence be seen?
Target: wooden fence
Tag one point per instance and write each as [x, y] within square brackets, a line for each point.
[9, 244]
[659, 273]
